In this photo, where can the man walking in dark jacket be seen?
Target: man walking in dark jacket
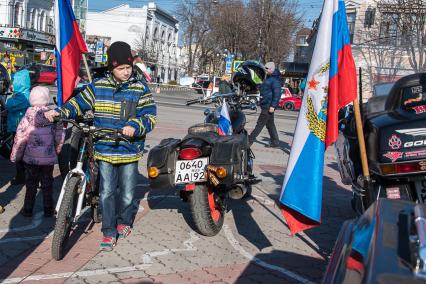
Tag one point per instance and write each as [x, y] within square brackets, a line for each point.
[270, 93]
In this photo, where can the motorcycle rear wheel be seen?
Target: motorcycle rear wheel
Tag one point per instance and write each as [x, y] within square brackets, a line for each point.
[207, 214]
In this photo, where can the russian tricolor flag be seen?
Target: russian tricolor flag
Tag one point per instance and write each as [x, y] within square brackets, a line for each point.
[69, 47]
[331, 84]
[225, 126]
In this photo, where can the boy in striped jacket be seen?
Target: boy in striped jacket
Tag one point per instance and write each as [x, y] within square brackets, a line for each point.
[118, 102]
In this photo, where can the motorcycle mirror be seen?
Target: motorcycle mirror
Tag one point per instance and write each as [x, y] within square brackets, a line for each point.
[207, 111]
[186, 81]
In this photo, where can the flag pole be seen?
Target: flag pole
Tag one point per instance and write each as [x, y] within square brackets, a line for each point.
[87, 67]
[361, 140]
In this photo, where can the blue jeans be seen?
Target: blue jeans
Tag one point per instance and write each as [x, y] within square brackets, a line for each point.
[117, 195]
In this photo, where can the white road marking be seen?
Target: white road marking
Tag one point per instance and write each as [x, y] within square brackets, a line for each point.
[36, 221]
[9, 240]
[147, 257]
[236, 245]
[265, 200]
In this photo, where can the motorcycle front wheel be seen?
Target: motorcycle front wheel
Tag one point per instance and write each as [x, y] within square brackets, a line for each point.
[207, 214]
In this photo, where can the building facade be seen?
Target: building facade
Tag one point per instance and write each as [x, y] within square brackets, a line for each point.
[151, 32]
[381, 49]
[27, 31]
[378, 45]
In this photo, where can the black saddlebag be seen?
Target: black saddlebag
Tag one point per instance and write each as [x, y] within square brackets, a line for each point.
[228, 152]
[163, 157]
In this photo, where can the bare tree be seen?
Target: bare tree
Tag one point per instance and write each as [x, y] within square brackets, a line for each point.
[408, 17]
[148, 52]
[259, 29]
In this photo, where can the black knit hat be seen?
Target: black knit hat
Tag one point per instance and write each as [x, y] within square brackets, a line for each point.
[119, 53]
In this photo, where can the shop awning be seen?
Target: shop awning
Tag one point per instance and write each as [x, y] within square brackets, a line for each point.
[295, 69]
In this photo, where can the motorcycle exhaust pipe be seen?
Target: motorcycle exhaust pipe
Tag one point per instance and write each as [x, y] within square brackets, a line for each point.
[237, 192]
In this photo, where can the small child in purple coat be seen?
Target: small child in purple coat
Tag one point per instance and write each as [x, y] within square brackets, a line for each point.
[37, 144]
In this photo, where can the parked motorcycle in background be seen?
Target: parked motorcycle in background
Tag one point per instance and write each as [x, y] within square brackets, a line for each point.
[395, 135]
[209, 166]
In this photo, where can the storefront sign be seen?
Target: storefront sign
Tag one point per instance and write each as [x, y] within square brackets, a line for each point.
[38, 37]
[10, 33]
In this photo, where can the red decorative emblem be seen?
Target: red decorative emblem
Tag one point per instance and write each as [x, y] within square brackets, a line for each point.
[313, 84]
[393, 156]
[394, 142]
[419, 109]
[114, 63]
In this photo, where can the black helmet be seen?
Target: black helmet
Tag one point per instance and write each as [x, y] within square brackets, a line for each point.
[4, 80]
[249, 75]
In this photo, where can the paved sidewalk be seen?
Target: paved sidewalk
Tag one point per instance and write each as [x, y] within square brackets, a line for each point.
[254, 246]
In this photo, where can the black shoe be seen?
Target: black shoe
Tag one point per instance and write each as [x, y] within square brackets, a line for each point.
[48, 212]
[272, 145]
[17, 181]
[26, 212]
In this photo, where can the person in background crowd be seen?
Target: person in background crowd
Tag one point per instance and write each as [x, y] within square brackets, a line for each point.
[16, 106]
[270, 93]
[302, 87]
[37, 143]
[225, 86]
[7, 63]
[118, 160]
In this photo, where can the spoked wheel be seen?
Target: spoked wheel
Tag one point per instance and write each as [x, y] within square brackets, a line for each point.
[65, 218]
[207, 210]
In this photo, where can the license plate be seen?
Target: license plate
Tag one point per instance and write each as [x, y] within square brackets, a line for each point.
[189, 171]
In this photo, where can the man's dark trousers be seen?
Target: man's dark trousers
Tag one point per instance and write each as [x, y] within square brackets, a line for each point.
[265, 118]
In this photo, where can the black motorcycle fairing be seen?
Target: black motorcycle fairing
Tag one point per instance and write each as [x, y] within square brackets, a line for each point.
[393, 101]
[382, 232]
[380, 130]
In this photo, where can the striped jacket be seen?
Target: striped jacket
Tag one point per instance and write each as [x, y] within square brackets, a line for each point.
[116, 105]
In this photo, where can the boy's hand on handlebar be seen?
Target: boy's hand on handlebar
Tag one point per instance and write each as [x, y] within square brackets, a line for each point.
[51, 115]
[128, 131]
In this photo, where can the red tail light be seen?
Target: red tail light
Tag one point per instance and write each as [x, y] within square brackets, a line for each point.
[403, 168]
[190, 153]
[407, 168]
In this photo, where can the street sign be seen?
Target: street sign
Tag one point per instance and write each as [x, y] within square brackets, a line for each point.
[99, 51]
[236, 65]
[229, 59]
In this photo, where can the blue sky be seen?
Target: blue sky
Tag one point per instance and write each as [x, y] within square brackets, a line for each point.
[310, 9]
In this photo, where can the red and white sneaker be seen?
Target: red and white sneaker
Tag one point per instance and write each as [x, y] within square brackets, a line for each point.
[107, 243]
[123, 231]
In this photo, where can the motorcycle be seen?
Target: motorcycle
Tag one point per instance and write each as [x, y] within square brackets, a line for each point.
[393, 230]
[395, 138]
[211, 167]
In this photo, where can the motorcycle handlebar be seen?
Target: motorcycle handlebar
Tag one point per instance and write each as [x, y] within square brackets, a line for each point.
[194, 101]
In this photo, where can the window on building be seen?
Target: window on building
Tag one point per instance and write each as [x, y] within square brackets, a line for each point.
[302, 40]
[16, 21]
[351, 25]
[389, 29]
